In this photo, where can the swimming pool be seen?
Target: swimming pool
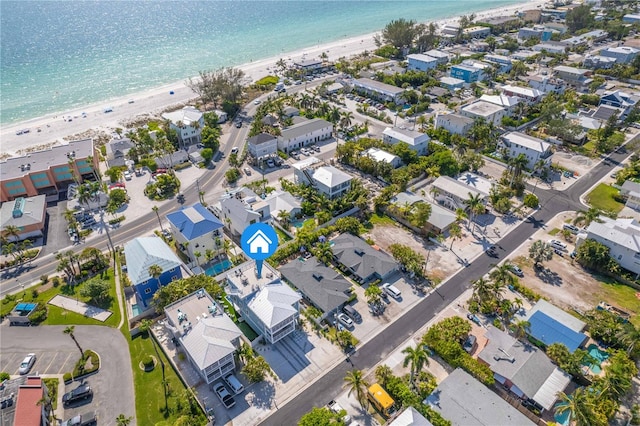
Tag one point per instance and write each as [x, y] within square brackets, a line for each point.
[218, 268]
[599, 355]
[135, 309]
[564, 419]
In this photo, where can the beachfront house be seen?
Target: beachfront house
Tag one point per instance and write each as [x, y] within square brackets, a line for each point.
[523, 369]
[622, 236]
[305, 133]
[268, 305]
[188, 123]
[320, 285]
[488, 111]
[534, 149]
[117, 151]
[141, 254]
[453, 123]
[206, 333]
[196, 230]
[378, 90]
[417, 141]
[48, 172]
[27, 215]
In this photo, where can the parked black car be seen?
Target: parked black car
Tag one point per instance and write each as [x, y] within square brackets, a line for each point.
[81, 393]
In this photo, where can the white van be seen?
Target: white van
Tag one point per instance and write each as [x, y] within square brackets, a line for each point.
[392, 290]
[234, 383]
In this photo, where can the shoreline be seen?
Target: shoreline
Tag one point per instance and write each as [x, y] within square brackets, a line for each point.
[54, 128]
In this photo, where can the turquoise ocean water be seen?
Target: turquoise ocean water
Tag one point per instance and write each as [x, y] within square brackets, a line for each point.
[58, 55]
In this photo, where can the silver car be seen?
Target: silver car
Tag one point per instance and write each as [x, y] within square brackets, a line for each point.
[27, 363]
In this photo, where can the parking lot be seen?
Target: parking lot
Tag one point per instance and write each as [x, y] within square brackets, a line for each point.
[56, 354]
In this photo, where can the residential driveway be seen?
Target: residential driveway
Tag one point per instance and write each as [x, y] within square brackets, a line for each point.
[56, 352]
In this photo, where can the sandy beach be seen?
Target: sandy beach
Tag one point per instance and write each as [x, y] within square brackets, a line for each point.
[54, 128]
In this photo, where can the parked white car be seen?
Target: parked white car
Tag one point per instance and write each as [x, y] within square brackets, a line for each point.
[557, 244]
[392, 290]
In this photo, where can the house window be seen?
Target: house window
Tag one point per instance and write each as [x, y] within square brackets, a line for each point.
[619, 257]
[174, 277]
[147, 291]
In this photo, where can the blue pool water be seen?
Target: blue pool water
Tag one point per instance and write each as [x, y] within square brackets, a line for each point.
[563, 419]
[136, 310]
[218, 268]
[599, 355]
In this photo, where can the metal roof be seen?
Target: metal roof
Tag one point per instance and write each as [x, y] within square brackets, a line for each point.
[549, 331]
[457, 188]
[274, 303]
[142, 252]
[625, 233]
[378, 86]
[330, 176]
[410, 417]
[304, 128]
[558, 314]
[526, 141]
[194, 221]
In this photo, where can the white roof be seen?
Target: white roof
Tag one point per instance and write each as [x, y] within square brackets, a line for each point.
[378, 154]
[622, 49]
[410, 417]
[330, 176]
[524, 140]
[281, 200]
[142, 252]
[409, 136]
[571, 70]
[273, 303]
[623, 232]
[501, 100]
[456, 188]
[187, 115]
[437, 54]
[524, 91]
[451, 81]
[307, 162]
[210, 340]
[476, 182]
[422, 57]
[482, 108]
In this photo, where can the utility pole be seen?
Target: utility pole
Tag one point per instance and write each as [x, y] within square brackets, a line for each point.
[106, 229]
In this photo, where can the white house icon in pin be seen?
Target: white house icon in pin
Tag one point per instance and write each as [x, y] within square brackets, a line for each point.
[259, 243]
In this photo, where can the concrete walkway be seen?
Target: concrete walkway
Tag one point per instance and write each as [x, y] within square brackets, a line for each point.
[82, 308]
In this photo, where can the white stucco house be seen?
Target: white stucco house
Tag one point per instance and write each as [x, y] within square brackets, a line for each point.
[326, 179]
[303, 134]
[453, 122]
[379, 155]
[534, 149]
[262, 145]
[490, 112]
[188, 123]
[417, 141]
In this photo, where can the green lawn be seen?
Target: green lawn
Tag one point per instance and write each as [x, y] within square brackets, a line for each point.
[602, 198]
[151, 407]
[554, 231]
[59, 316]
[282, 237]
[621, 296]
[247, 331]
[383, 220]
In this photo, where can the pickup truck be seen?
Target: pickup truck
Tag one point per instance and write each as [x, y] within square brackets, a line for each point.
[87, 419]
[337, 408]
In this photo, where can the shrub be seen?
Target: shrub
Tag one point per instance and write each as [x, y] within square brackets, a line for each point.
[67, 377]
[182, 166]
[55, 281]
[4, 376]
[116, 220]
[232, 175]
[531, 201]
[44, 279]
[39, 314]
[148, 362]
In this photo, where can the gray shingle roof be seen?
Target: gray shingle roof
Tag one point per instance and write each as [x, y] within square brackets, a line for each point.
[356, 254]
[465, 401]
[304, 128]
[260, 138]
[322, 285]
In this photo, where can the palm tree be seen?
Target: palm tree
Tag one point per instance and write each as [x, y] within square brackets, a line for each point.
[521, 328]
[197, 255]
[373, 294]
[502, 276]
[334, 115]
[417, 358]
[455, 233]
[69, 331]
[346, 119]
[383, 374]
[356, 383]
[517, 164]
[475, 206]
[482, 288]
[155, 271]
[585, 217]
[576, 405]
[284, 218]
[123, 420]
[155, 210]
[11, 232]
[324, 252]
[540, 252]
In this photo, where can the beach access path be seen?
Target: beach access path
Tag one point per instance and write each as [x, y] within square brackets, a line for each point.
[54, 128]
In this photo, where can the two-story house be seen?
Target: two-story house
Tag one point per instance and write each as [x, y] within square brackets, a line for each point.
[305, 133]
[117, 151]
[454, 123]
[206, 333]
[577, 77]
[488, 111]
[525, 94]
[534, 149]
[269, 305]
[262, 145]
[242, 208]
[421, 62]
[188, 123]
[382, 156]
[622, 100]
[141, 254]
[452, 193]
[378, 90]
[326, 179]
[417, 141]
[196, 230]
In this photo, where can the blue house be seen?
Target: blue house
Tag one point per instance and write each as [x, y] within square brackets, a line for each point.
[140, 254]
[466, 73]
[196, 230]
[622, 100]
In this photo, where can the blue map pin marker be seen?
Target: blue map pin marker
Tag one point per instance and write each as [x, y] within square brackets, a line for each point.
[259, 241]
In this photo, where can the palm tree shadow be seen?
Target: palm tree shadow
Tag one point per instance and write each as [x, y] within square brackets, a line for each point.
[548, 276]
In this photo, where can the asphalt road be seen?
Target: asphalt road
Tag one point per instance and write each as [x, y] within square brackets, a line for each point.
[368, 355]
[112, 384]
